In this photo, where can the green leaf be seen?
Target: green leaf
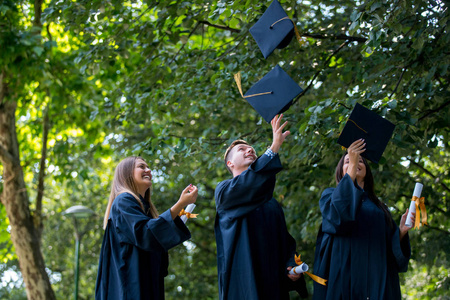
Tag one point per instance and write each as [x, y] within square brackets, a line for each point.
[353, 27]
[392, 104]
[234, 23]
[355, 15]
[38, 50]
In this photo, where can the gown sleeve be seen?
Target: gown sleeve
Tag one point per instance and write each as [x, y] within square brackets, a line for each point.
[401, 250]
[150, 234]
[245, 192]
[339, 206]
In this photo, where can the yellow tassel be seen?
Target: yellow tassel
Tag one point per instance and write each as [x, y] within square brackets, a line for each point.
[297, 34]
[237, 78]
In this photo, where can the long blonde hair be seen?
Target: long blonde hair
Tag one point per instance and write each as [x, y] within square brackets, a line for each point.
[123, 182]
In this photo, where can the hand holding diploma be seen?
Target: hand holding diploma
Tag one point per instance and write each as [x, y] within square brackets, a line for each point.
[294, 273]
[299, 269]
[403, 228]
[188, 196]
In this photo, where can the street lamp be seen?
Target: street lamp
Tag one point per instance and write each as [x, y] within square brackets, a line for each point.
[78, 212]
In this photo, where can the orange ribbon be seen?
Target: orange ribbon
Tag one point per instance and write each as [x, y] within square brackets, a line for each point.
[420, 202]
[316, 278]
[187, 214]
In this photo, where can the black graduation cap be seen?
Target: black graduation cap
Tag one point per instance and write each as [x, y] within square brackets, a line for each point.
[273, 94]
[366, 124]
[273, 30]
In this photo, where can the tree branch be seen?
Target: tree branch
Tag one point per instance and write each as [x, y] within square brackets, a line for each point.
[349, 108]
[398, 83]
[232, 48]
[391, 13]
[37, 13]
[134, 21]
[335, 37]
[40, 190]
[432, 111]
[2, 88]
[318, 72]
[48, 32]
[438, 229]
[182, 47]
[446, 213]
[216, 140]
[196, 138]
[222, 27]
[311, 35]
[6, 156]
[429, 174]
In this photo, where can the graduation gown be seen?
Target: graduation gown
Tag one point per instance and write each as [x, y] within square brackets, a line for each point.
[254, 247]
[133, 259]
[357, 250]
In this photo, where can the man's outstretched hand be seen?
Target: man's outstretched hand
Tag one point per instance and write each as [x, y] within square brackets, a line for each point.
[278, 135]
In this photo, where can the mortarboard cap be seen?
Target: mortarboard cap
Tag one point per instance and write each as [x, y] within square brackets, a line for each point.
[273, 30]
[273, 94]
[366, 124]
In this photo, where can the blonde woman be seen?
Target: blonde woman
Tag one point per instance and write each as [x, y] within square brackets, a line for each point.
[133, 259]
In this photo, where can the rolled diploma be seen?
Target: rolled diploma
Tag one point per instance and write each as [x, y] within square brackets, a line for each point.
[412, 205]
[299, 269]
[189, 209]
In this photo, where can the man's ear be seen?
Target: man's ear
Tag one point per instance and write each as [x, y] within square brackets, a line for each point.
[230, 164]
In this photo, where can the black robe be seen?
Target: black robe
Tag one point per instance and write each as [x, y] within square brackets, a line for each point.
[133, 259]
[254, 247]
[356, 250]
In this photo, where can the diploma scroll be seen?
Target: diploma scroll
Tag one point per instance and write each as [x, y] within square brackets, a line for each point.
[299, 269]
[189, 209]
[412, 205]
[303, 268]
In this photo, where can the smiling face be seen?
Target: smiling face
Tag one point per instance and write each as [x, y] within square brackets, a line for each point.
[360, 168]
[241, 157]
[142, 176]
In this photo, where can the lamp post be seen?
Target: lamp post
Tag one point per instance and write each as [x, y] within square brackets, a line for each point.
[78, 212]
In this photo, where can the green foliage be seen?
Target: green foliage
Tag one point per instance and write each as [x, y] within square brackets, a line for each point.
[156, 79]
[6, 246]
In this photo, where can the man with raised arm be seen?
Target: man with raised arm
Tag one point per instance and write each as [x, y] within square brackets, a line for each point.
[254, 248]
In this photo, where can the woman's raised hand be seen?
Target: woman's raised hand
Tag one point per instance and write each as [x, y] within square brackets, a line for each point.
[355, 150]
[189, 194]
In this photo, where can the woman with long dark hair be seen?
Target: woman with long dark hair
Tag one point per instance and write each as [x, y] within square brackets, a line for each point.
[359, 248]
[133, 258]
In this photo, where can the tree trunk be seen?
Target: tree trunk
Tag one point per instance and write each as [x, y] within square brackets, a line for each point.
[16, 201]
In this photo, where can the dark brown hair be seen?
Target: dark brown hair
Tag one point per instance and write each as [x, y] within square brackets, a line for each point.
[369, 186]
[227, 152]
